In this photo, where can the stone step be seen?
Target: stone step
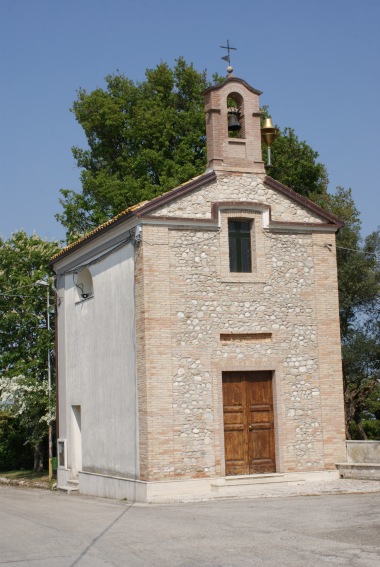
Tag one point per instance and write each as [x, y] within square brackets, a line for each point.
[266, 478]
[254, 484]
[71, 486]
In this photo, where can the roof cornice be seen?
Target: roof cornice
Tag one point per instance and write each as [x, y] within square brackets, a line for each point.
[303, 201]
[232, 80]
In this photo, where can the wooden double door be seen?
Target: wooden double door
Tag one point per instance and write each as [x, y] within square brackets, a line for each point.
[248, 423]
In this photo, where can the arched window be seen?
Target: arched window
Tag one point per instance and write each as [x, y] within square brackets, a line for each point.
[83, 282]
[235, 115]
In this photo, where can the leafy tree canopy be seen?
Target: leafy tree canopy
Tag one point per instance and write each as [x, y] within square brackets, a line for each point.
[143, 139]
[23, 335]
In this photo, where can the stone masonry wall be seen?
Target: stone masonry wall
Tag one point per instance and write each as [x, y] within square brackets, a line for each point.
[237, 187]
[189, 302]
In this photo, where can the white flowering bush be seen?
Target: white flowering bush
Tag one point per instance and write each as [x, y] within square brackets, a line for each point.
[27, 399]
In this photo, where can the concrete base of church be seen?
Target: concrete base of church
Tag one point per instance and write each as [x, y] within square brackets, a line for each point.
[189, 490]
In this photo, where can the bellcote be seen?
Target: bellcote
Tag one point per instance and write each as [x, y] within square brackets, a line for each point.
[239, 149]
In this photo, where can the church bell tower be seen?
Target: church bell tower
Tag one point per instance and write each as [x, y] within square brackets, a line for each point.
[233, 127]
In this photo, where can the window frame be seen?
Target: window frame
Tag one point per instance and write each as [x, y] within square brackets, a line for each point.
[240, 245]
[259, 266]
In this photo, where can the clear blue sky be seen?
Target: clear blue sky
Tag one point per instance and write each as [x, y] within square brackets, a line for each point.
[317, 62]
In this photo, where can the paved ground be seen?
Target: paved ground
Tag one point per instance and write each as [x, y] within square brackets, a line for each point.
[41, 528]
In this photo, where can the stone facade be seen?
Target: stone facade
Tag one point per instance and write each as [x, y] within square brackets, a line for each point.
[291, 294]
[238, 187]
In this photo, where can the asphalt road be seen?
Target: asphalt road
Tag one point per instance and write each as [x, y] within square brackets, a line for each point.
[49, 529]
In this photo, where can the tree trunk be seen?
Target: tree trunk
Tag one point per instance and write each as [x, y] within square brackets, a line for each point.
[38, 458]
[361, 431]
[349, 412]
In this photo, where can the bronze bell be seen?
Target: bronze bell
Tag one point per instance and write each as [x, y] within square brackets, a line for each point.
[233, 122]
[268, 136]
[268, 132]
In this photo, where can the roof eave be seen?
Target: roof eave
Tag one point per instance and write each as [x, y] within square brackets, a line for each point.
[303, 201]
[92, 236]
[140, 211]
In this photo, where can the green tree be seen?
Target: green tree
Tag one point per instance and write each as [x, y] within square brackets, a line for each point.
[360, 321]
[14, 454]
[358, 263]
[147, 138]
[24, 339]
[143, 139]
[28, 403]
[361, 375]
[295, 163]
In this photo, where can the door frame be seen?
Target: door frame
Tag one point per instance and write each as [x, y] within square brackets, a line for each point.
[76, 440]
[279, 424]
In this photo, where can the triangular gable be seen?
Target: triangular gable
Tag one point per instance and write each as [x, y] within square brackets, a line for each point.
[146, 208]
[202, 180]
[304, 201]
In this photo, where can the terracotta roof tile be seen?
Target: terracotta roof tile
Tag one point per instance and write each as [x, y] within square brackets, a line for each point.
[99, 228]
[156, 200]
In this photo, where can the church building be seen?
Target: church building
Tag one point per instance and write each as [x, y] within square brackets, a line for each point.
[198, 340]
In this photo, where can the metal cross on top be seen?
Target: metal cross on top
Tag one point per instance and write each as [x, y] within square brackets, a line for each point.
[228, 57]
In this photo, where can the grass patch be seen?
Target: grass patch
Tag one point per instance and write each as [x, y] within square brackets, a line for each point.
[31, 477]
[26, 475]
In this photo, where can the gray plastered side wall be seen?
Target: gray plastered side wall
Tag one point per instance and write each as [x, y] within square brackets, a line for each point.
[97, 366]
